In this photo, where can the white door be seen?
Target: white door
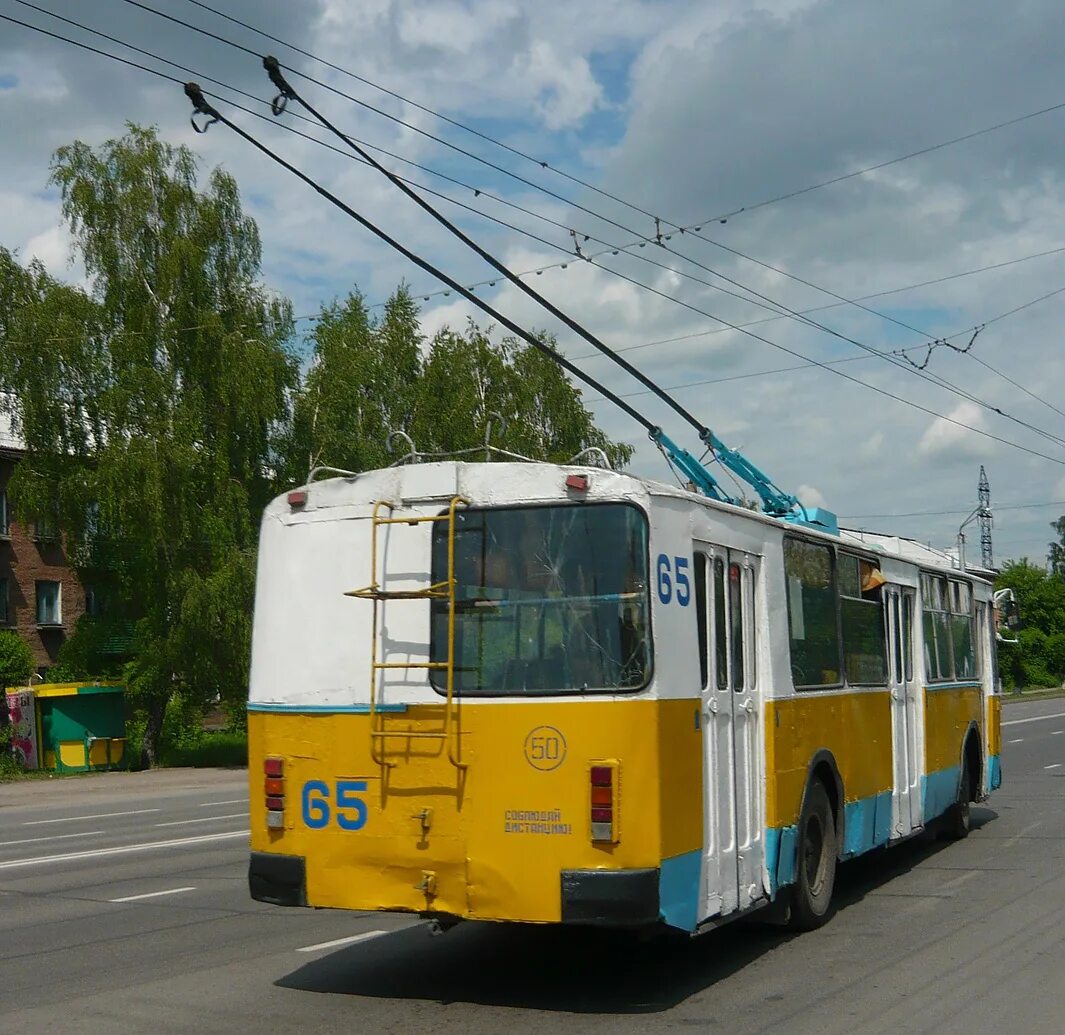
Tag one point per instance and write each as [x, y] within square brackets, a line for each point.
[905, 797]
[732, 842]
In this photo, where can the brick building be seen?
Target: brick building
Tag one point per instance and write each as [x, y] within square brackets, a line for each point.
[40, 596]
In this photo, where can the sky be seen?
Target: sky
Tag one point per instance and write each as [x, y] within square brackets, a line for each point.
[629, 118]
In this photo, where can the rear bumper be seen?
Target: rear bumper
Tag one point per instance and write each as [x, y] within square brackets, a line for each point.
[610, 898]
[279, 879]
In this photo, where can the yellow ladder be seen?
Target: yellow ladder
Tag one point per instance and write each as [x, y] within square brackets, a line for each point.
[435, 591]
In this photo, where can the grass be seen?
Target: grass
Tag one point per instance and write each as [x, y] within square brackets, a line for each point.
[219, 748]
[1033, 695]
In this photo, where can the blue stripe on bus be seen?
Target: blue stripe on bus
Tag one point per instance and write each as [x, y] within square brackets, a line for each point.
[324, 709]
[939, 790]
[679, 890]
[953, 686]
[866, 824]
[994, 772]
[780, 856]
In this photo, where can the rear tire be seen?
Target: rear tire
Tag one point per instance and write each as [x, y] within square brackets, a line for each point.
[957, 820]
[815, 876]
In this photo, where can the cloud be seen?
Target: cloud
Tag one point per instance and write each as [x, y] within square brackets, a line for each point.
[684, 109]
[945, 436]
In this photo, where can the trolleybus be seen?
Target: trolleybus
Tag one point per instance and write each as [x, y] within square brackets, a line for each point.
[561, 694]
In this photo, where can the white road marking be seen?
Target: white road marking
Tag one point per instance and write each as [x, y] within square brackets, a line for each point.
[1035, 718]
[202, 819]
[54, 837]
[231, 801]
[122, 849]
[1056, 765]
[1019, 740]
[364, 937]
[955, 881]
[150, 894]
[1022, 833]
[1057, 733]
[98, 815]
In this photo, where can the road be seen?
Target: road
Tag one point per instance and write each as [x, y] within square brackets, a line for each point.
[123, 907]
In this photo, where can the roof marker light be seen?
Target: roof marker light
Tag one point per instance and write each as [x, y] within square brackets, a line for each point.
[577, 482]
[297, 498]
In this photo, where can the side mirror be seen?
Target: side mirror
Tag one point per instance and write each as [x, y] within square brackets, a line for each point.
[1007, 614]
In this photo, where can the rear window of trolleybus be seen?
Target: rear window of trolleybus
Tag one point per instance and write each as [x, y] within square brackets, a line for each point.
[549, 599]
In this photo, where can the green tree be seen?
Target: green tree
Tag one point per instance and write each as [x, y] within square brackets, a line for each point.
[16, 662]
[1056, 550]
[362, 384]
[468, 378]
[154, 423]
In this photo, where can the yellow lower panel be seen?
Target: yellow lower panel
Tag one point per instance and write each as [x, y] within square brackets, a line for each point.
[947, 715]
[854, 726]
[489, 841]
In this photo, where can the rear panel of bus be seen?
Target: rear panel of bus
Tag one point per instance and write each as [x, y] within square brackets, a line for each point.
[558, 785]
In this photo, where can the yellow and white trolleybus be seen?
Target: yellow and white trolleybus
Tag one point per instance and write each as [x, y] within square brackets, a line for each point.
[560, 694]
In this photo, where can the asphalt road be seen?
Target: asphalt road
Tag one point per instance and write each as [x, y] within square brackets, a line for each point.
[123, 907]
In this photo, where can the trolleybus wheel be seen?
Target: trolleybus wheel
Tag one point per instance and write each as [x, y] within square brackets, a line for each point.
[957, 820]
[816, 870]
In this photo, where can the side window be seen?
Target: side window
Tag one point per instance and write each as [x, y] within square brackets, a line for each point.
[862, 620]
[813, 633]
[961, 630]
[5, 607]
[896, 618]
[935, 603]
[720, 636]
[700, 618]
[735, 598]
[907, 635]
[5, 528]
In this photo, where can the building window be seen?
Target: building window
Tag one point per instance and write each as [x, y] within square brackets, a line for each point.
[93, 605]
[5, 526]
[49, 603]
[5, 607]
[44, 529]
[810, 575]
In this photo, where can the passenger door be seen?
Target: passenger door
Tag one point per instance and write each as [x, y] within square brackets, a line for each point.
[732, 841]
[905, 798]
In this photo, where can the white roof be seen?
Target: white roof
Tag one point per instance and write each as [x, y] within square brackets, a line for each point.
[914, 551]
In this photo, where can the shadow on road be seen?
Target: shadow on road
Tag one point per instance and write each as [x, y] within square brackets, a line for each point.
[576, 970]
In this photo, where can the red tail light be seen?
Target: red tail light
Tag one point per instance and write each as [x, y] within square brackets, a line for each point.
[274, 791]
[603, 800]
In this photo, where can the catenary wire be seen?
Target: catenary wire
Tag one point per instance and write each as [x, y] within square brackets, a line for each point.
[931, 377]
[613, 197]
[478, 302]
[202, 106]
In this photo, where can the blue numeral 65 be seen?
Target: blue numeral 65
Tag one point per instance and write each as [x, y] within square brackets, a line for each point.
[316, 811]
[680, 574]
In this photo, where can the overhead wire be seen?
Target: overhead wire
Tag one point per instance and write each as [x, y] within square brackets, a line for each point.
[948, 513]
[638, 284]
[202, 106]
[694, 229]
[613, 197]
[931, 377]
[428, 111]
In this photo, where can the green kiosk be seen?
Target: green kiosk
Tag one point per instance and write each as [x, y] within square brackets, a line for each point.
[82, 726]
